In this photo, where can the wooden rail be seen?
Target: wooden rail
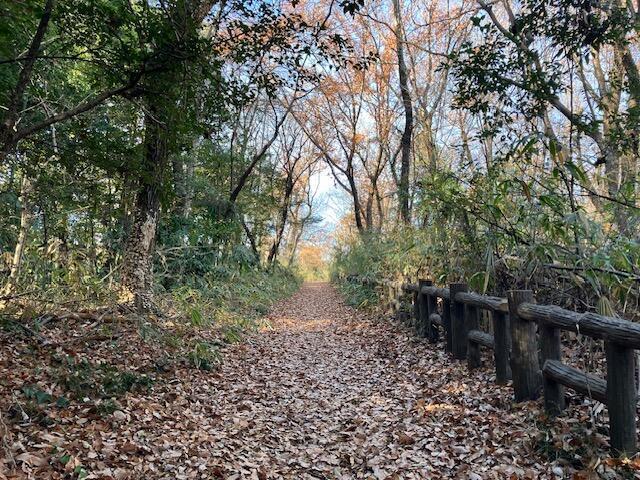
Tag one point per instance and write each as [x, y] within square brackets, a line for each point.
[525, 341]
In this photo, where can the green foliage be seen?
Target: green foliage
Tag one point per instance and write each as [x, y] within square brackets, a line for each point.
[358, 295]
[204, 356]
[36, 405]
[219, 306]
[81, 379]
[405, 252]
[498, 234]
[107, 406]
[232, 296]
[146, 64]
[313, 272]
[37, 395]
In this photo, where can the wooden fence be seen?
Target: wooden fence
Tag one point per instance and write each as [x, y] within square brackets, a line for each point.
[525, 341]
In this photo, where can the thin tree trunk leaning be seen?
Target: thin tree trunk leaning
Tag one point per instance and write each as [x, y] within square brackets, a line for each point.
[336, 169]
[7, 128]
[298, 225]
[284, 213]
[251, 237]
[357, 208]
[25, 224]
[257, 157]
[405, 141]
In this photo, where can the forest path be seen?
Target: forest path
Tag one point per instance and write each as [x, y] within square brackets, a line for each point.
[326, 392]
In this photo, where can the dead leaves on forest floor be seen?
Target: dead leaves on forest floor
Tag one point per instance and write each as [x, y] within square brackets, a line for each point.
[323, 393]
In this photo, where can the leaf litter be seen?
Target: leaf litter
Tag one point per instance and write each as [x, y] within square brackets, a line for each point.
[322, 391]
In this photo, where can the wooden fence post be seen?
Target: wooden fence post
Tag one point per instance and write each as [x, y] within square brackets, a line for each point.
[458, 333]
[432, 307]
[399, 296]
[394, 296]
[551, 349]
[621, 398]
[501, 346]
[383, 297]
[422, 327]
[403, 300]
[525, 368]
[471, 323]
[446, 323]
[416, 311]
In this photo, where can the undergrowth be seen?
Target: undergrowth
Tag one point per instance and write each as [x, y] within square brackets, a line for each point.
[410, 253]
[232, 297]
[228, 301]
[357, 294]
[95, 363]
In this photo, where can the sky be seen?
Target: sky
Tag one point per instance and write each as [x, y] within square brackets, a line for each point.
[330, 202]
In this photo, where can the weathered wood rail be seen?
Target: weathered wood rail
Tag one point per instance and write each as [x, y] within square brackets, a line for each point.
[525, 340]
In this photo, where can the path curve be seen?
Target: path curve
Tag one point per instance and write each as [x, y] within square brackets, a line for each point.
[327, 393]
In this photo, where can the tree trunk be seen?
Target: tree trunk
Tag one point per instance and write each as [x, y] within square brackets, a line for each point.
[369, 211]
[296, 231]
[187, 204]
[7, 128]
[25, 224]
[405, 141]
[379, 208]
[633, 110]
[182, 168]
[618, 170]
[430, 147]
[137, 273]
[294, 245]
[464, 136]
[284, 213]
[251, 237]
[357, 208]
[160, 119]
[127, 203]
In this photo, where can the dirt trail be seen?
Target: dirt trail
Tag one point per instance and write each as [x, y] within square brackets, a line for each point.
[323, 392]
[328, 393]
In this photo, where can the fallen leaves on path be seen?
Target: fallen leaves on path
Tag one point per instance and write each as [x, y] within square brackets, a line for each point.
[323, 392]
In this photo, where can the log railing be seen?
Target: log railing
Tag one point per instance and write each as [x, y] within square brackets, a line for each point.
[525, 341]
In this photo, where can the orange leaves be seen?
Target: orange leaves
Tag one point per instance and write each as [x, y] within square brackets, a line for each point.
[629, 463]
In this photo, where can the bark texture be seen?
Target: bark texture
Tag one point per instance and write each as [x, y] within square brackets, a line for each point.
[137, 272]
[23, 233]
[405, 141]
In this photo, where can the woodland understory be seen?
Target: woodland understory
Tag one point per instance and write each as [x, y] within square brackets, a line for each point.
[170, 171]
